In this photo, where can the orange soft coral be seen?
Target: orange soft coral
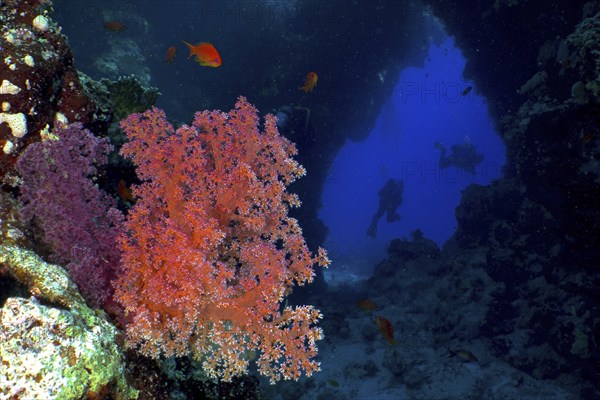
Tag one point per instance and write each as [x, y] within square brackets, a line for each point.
[211, 251]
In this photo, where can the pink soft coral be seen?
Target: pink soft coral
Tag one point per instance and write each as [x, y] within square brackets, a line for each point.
[211, 251]
[78, 220]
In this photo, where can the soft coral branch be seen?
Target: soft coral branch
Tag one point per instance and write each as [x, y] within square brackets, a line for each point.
[211, 251]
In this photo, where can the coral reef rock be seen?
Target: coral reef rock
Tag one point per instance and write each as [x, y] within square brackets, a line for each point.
[52, 345]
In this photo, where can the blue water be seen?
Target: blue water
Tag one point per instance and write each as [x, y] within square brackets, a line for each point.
[427, 106]
[400, 145]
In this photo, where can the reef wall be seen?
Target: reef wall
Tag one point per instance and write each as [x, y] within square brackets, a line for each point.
[538, 63]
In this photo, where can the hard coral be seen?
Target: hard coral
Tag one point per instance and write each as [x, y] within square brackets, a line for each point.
[37, 66]
[211, 251]
[52, 345]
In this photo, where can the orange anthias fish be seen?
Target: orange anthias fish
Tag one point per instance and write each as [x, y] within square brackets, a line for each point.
[125, 192]
[114, 26]
[366, 305]
[170, 55]
[386, 329]
[204, 54]
[587, 137]
[310, 82]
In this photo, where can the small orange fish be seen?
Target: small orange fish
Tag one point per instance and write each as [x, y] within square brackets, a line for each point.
[587, 137]
[204, 54]
[114, 26]
[386, 329]
[310, 82]
[125, 192]
[366, 305]
[170, 55]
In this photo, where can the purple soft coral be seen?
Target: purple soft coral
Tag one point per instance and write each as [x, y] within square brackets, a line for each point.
[77, 218]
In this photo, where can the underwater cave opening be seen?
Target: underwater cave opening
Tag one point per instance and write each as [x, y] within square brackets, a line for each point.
[434, 134]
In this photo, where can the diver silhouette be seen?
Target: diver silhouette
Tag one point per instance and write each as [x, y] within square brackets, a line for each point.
[390, 198]
[463, 156]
